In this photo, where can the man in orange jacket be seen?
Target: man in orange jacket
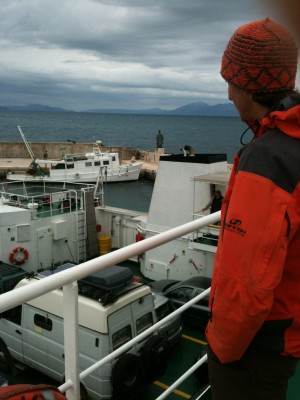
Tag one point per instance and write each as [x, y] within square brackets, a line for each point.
[254, 330]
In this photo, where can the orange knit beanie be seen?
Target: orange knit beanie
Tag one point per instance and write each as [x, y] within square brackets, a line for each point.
[261, 57]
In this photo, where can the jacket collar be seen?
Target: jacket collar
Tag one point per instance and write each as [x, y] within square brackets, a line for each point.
[285, 117]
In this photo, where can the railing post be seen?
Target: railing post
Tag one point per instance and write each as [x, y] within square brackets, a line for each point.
[71, 347]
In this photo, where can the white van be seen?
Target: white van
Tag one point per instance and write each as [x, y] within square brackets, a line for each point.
[32, 334]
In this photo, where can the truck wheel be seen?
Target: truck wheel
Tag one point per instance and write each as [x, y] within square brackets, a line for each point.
[126, 376]
[5, 358]
[83, 393]
[153, 356]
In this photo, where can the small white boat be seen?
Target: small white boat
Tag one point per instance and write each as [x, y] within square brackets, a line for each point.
[79, 168]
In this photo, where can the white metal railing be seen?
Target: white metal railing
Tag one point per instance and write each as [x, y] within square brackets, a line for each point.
[44, 200]
[68, 279]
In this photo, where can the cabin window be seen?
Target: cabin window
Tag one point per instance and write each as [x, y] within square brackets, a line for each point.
[13, 315]
[70, 166]
[97, 163]
[79, 158]
[59, 166]
[88, 164]
[43, 322]
[144, 323]
[106, 162]
[113, 158]
[121, 337]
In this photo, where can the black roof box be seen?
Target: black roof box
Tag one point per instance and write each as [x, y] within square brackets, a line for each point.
[59, 268]
[103, 285]
[109, 279]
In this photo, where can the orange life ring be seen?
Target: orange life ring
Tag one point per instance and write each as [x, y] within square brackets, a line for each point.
[18, 255]
[139, 237]
[28, 392]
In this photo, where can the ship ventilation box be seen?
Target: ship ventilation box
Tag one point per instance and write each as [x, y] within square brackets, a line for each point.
[59, 229]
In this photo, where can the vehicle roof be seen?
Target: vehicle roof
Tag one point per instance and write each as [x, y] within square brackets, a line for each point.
[198, 281]
[201, 282]
[159, 299]
[91, 313]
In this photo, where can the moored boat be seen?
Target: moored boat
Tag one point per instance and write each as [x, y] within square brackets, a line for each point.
[80, 168]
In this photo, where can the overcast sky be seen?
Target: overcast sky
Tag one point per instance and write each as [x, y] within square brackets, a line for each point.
[134, 54]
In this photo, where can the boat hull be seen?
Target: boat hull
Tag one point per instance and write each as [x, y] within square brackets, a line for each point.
[124, 173]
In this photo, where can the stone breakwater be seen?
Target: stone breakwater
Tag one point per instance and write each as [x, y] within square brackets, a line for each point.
[14, 156]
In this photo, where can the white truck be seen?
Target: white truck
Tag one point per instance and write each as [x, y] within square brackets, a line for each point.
[112, 309]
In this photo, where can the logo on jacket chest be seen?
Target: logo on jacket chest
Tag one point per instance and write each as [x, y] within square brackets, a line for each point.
[235, 225]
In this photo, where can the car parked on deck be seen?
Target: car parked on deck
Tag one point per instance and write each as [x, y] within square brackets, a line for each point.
[180, 292]
[172, 329]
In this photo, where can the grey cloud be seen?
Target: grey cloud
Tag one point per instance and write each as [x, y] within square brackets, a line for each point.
[122, 53]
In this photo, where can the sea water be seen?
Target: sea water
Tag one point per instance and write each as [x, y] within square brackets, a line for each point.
[204, 134]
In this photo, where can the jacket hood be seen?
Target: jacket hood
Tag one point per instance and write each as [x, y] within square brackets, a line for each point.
[286, 117]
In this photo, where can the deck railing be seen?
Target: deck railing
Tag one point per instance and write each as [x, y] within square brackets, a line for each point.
[44, 200]
[68, 280]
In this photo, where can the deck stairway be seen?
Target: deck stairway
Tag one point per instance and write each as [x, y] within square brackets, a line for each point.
[81, 235]
[92, 249]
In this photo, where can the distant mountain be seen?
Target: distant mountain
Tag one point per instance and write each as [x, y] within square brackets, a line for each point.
[198, 108]
[35, 107]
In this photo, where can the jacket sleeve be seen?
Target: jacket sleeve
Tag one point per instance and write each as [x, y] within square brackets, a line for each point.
[249, 263]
